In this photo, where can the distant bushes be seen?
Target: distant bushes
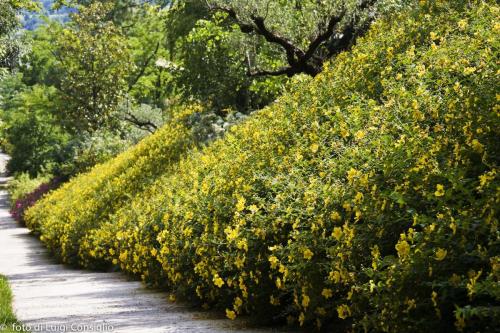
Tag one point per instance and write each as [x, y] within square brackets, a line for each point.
[363, 200]
[25, 192]
[22, 184]
[33, 138]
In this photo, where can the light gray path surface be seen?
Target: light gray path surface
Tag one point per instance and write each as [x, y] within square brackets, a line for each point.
[54, 298]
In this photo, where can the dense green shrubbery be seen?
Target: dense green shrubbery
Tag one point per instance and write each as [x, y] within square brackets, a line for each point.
[33, 138]
[90, 200]
[365, 202]
[22, 184]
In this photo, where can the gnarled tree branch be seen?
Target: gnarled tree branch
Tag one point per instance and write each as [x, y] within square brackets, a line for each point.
[332, 37]
[142, 124]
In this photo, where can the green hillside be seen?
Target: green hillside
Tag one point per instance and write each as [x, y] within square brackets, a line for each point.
[364, 199]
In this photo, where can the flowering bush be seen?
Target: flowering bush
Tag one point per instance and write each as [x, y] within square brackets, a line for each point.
[88, 200]
[364, 202]
[22, 184]
[27, 200]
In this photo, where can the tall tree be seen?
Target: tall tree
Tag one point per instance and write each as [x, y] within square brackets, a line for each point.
[94, 63]
[308, 32]
[10, 47]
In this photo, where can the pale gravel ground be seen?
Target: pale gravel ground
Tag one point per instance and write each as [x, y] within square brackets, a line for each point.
[51, 297]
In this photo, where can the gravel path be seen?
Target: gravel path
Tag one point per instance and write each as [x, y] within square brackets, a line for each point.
[54, 298]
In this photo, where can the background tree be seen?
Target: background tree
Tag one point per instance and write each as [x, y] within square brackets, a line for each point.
[308, 32]
[36, 140]
[10, 47]
[207, 55]
[92, 57]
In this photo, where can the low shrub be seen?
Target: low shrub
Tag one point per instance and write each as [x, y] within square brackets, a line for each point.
[26, 200]
[364, 202]
[22, 184]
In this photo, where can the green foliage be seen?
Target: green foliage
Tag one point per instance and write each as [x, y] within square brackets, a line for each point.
[303, 34]
[213, 68]
[297, 20]
[150, 82]
[22, 185]
[93, 74]
[32, 134]
[40, 67]
[128, 173]
[88, 150]
[35, 139]
[7, 316]
[364, 202]
[93, 61]
[10, 46]
[32, 20]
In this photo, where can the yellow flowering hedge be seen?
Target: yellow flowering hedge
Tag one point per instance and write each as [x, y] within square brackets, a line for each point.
[363, 200]
[87, 201]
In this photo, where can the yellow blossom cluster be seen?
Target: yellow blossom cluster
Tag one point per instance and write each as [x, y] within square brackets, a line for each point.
[364, 198]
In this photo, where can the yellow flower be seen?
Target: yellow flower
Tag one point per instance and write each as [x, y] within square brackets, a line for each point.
[321, 311]
[441, 254]
[334, 276]
[239, 262]
[230, 314]
[274, 300]
[351, 174]
[462, 24]
[305, 301]
[433, 35]
[218, 280]
[231, 234]
[327, 293]
[411, 304]
[403, 248]
[439, 190]
[477, 146]
[154, 252]
[302, 318]
[469, 70]
[241, 204]
[343, 311]
[274, 261]
[335, 216]
[434, 298]
[238, 302]
[359, 197]
[453, 227]
[337, 233]
[308, 254]
[123, 256]
[242, 244]
[360, 135]
[487, 178]
[314, 148]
